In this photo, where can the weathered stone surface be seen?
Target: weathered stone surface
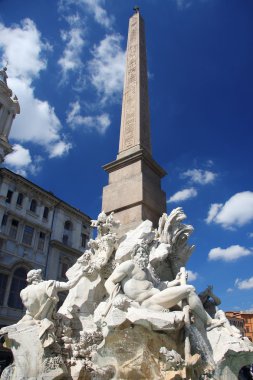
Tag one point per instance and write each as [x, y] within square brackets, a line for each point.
[230, 353]
[142, 234]
[30, 359]
[159, 254]
[134, 352]
[156, 320]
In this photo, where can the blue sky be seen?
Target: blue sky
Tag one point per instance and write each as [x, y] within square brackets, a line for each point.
[66, 65]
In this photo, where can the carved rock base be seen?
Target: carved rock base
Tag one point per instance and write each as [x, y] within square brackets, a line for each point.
[31, 360]
[134, 352]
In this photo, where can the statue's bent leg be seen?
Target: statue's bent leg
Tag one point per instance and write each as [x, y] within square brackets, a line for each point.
[168, 297]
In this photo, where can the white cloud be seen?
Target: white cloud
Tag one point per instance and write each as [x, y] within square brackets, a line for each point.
[230, 290]
[37, 122]
[183, 195]
[202, 177]
[192, 276]
[100, 14]
[19, 157]
[100, 123]
[232, 253]
[23, 49]
[94, 7]
[213, 211]
[70, 59]
[59, 149]
[107, 68]
[251, 234]
[183, 4]
[74, 40]
[244, 284]
[236, 212]
[22, 46]
[21, 162]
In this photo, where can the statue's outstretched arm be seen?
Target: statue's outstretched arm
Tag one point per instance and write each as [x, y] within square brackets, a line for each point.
[61, 286]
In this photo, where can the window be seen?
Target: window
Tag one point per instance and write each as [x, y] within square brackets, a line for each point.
[28, 235]
[41, 242]
[65, 264]
[64, 268]
[13, 229]
[65, 239]
[83, 240]
[18, 283]
[20, 199]
[9, 196]
[4, 220]
[68, 225]
[3, 283]
[46, 212]
[33, 205]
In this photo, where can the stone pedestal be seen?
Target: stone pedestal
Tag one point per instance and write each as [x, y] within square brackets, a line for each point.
[134, 191]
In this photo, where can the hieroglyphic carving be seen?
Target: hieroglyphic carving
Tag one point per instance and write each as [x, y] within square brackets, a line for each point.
[129, 101]
[135, 90]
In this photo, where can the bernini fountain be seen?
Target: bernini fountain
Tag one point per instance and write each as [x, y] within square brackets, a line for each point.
[129, 312]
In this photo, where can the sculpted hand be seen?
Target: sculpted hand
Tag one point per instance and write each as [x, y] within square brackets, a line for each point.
[115, 290]
[87, 270]
[178, 277]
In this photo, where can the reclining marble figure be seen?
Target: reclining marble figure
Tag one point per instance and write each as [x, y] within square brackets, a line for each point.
[136, 282]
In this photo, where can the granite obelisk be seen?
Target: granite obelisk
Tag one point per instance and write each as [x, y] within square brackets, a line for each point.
[134, 191]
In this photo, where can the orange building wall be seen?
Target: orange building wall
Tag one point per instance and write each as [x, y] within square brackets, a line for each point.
[247, 317]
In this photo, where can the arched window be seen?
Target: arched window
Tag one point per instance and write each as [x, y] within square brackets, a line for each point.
[20, 199]
[33, 205]
[17, 284]
[68, 225]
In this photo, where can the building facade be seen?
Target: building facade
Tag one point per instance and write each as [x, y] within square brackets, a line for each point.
[245, 318]
[37, 230]
[9, 108]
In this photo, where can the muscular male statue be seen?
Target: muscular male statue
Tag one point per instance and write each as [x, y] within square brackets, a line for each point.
[137, 284]
[40, 299]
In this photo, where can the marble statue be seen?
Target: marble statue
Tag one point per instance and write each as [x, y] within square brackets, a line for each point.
[137, 284]
[3, 75]
[40, 300]
[104, 223]
[209, 300]
[97, 260]
[129, 313]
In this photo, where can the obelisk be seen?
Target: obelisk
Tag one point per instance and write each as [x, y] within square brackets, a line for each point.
[134, 191]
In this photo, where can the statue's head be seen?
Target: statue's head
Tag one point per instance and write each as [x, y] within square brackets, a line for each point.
[34, 275]
[141, 256]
